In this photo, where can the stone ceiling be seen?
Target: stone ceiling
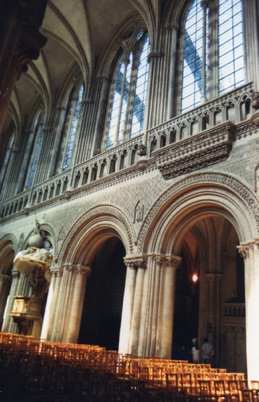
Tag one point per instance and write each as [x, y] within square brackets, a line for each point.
[78, 33]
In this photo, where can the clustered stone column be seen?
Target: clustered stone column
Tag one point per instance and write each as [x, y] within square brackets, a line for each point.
[75, 307]
[250, 252]
[125, 343]
[20, 287]
[148, 307]
[171, 264]
[51, 301]
[65, 303]
[5, 282]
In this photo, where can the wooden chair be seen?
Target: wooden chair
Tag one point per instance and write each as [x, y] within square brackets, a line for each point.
[247, 395]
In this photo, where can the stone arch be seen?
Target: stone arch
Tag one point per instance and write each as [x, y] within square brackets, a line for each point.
[188, 199]
[95, 225]
[9, 247]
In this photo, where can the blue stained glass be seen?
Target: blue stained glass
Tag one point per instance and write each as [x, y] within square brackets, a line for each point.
[231, 50]
[130, 81]
[141, 90]
[192, 67]
[36, 154]
[72, 132]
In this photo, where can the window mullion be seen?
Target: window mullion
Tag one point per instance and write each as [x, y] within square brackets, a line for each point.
[204, 4]
[131, 95]
[126, 63]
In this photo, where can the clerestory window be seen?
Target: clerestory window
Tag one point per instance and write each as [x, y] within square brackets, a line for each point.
[38, 135]
[213, 50]
[128, 91]
[72, 123]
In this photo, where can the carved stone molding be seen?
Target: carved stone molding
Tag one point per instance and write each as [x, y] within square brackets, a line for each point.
[214, 178]
[173, 260]
[204, 149]
[244, 251]
[136, 262]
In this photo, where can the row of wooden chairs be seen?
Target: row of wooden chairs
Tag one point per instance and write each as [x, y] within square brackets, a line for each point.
[64, 369]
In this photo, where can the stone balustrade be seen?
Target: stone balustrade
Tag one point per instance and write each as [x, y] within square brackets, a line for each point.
[209, 129]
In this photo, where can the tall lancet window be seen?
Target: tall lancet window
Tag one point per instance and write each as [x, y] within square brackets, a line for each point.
[213, 51]
[129, 90]
[75, 106]
[38, 135]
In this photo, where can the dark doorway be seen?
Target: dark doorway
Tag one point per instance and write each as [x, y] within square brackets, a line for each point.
[102, 310]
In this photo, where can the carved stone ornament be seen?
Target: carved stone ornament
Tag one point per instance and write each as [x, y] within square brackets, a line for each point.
[205, 149]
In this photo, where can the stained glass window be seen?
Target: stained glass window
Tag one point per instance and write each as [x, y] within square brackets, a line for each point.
[39, 134]
[224, 37]
[128, 92]
[73, 128]
[231, 50]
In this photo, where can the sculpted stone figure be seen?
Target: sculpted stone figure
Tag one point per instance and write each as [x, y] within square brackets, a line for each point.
[34, 264]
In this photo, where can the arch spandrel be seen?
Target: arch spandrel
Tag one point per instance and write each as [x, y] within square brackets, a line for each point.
[191, 198]
[91, 229]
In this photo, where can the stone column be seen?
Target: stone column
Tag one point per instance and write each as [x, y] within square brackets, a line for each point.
[127, 307]
[5, 283]
[250, 253]
[51, 303]
[140, 265]
[214, 282]
[62, 301]
[75, 307]
[150, 307]
[171, 264]
[13, 292]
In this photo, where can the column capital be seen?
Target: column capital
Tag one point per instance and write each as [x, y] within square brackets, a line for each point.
[15, 273]
[204, 4]
[245, 249]
[136, 262]
[55, 269]
[173, 260]
[83, 269]
[155, 55]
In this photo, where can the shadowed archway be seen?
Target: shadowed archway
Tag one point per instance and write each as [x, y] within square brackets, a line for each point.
[101, 316]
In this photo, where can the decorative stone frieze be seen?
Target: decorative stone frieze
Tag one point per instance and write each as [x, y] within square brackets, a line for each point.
[204, 149]
[214, 178]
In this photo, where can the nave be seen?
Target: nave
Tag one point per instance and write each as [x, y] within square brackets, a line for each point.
[33, 370]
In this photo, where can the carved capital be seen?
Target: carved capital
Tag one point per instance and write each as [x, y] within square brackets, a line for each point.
[244, 251]
[136, 262]
[83, 270]
[173, 260]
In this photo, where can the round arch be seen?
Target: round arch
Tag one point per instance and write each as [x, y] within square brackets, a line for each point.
[9, 247]
[91, 229]
[203, 194]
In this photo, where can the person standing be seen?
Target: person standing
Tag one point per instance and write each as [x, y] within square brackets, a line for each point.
[207, 351]
[195, 351]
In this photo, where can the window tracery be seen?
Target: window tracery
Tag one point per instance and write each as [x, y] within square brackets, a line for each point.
[39, 135]
[213, 51]
[72, 124]
[128, 91]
